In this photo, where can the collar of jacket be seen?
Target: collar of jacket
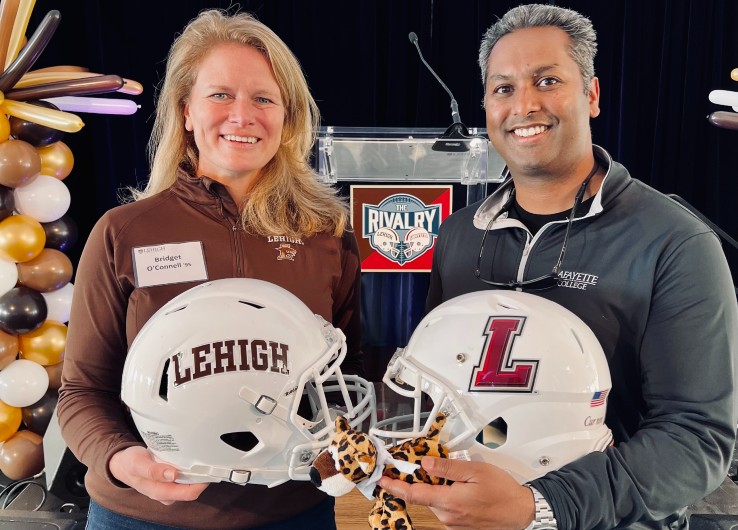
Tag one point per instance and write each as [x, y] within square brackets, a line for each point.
[616, 177]
[204, 190]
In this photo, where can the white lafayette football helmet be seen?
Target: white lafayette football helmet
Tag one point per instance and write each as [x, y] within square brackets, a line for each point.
[523, 380]
[416, 241]
[234, 380]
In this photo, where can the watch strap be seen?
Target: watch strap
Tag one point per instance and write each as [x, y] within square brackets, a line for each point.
[544, 519]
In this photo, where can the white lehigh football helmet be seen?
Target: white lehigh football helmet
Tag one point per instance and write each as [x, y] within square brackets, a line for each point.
[523, 380]
[235, 380]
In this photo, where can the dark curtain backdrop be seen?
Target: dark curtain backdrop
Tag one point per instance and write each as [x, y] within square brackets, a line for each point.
[657, 62]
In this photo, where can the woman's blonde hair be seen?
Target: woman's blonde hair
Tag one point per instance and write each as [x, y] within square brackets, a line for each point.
[287, 199]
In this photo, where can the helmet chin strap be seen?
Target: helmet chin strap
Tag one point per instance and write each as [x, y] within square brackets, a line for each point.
[200, 473]
[264, 404]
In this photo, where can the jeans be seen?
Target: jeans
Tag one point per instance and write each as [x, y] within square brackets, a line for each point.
[320, 517]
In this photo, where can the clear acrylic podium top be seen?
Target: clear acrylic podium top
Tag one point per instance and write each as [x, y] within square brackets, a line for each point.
[405, 155]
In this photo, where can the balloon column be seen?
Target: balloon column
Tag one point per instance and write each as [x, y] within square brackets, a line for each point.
[725, 119]
[35, 273]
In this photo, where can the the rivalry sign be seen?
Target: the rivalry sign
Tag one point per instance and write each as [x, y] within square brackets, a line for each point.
[397, 226]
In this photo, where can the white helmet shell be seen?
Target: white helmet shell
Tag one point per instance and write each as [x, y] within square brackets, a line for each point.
[523, 380]
[234, 380]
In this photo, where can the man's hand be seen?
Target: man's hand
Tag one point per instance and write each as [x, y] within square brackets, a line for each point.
[136, 467]
[482, 497]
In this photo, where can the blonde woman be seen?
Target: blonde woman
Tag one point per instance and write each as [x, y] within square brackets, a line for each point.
[231, 186]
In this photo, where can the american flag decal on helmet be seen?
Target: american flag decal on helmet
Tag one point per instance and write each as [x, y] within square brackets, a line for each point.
[599, 398]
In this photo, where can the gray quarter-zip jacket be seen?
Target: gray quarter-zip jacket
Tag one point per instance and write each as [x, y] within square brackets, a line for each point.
[652, 282]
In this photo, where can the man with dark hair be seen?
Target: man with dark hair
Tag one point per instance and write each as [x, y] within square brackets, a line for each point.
[648, 277]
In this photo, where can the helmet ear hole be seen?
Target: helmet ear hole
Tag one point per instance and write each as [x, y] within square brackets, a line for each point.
[243, 441]
[494, 434]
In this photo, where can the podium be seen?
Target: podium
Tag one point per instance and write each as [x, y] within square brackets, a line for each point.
[358, 157]
[409, 155]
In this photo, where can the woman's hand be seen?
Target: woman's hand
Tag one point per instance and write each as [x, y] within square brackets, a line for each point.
[136, 467]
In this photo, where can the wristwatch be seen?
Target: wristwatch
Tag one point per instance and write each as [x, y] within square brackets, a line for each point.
[545, 519]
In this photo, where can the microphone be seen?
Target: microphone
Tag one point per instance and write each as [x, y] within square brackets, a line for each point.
[453, 138]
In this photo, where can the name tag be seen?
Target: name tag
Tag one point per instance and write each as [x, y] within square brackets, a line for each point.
[169, 263]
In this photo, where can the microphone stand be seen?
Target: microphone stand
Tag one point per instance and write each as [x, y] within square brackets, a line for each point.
[454, 138]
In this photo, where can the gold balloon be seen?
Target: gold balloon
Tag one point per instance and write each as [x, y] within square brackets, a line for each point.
[734, 74]
[22, 455]
[45, 344]
[10, 420]
[4, 127]
[22, 238]
[8, 349]
[49, 271]
[56, 119]
[55, 373]
[20, 163]
[57, 160]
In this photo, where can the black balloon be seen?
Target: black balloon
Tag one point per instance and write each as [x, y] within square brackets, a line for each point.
[35, 134]
[7, 202]
[22, 310]
[36, 417]
[61, 234]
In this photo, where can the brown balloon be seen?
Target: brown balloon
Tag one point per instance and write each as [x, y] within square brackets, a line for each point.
[36, 417]
[87, 86]
[49, 271]
[20, 163]
[8, 348]
[57, 160]
[55, 373]
[22, 455]
[44, 345]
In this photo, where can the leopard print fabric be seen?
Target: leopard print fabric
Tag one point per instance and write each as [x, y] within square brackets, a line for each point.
[352, 456]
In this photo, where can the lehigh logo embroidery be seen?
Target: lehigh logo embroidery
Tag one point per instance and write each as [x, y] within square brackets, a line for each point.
[286, 252]
[401, 228]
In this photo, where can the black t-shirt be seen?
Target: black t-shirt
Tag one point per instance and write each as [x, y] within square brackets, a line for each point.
[534, 222]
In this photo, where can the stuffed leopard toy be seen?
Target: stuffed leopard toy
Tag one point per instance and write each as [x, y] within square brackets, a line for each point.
[353, 459]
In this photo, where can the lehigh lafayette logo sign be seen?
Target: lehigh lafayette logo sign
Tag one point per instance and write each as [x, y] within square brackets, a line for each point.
[398, 225]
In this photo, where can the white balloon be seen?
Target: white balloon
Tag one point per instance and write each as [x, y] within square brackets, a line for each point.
[59, 303]
[45, 199]
[724, 97]
[23, 383]
[8, 275]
